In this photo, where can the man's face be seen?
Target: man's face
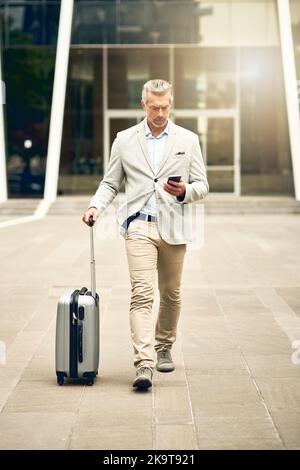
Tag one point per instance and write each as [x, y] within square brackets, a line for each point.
[157, 109]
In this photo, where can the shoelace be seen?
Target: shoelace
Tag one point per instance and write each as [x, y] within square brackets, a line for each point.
[164, 353]
[143, 369]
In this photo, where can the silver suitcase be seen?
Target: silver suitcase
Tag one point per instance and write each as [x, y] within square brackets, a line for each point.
[77, 330]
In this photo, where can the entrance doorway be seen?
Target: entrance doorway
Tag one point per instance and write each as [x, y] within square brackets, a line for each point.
[218, 135]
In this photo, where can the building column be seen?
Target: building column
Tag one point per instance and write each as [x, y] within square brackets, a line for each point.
[290, 85]
[58, 99]
[3, 174]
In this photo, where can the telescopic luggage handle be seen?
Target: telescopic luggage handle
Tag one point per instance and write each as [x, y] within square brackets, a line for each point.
[93, 273]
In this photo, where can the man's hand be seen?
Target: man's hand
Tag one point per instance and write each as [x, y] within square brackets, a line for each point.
[174, 188]
[91, 211]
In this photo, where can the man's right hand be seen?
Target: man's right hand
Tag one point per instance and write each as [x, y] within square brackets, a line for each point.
[91, 211]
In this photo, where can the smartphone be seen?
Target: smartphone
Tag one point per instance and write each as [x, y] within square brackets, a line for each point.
[176, 178]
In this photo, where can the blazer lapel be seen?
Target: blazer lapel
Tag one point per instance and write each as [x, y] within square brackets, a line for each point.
[169, 145]
[143, 143]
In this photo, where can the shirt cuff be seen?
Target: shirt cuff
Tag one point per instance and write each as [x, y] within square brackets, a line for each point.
[184, 199]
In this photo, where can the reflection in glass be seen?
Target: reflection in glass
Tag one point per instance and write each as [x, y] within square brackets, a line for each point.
[118, 125]
[129, 69]
[32, 23]
[220, 181]
[220, 141]
[29, 75]
[132, 22]
[204, 78]
[81, 163]
[265, 152]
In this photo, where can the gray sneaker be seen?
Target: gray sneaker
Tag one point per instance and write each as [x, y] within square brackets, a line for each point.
[143, 377]
[164, 361]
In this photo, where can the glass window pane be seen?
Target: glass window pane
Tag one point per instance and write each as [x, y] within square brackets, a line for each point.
[129, 69]
[81, 162]
[220, 181]
[30, 23]
[28, 74]
[205, 78]
[265, 152]
[119, 124]
[220, 141]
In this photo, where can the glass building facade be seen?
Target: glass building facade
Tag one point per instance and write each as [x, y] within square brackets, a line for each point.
[223, 59]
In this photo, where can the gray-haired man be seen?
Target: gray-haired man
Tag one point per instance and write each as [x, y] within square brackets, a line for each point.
[154, 220]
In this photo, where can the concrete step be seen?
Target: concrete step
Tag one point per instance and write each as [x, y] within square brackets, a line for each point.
[19, 207]
[214, 204]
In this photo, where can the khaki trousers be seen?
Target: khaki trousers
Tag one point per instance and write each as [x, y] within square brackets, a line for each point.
[147, 253]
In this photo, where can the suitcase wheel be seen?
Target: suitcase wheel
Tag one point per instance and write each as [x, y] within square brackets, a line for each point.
[60, 378]
[89, 381]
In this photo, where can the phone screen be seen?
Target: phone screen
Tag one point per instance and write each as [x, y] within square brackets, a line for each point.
[174, 178]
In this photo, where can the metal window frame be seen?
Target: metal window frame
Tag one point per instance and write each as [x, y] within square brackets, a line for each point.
[3, 172]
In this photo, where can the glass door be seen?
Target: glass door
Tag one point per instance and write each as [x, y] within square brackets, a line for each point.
[116, 121]
[217, 133]
[218, 140]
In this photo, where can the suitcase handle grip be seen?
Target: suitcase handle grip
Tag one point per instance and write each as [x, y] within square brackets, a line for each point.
[93, 274]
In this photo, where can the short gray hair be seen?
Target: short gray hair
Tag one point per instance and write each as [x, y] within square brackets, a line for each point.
[157, 87]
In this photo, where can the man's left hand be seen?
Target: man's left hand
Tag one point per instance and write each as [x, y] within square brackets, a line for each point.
[174, 188]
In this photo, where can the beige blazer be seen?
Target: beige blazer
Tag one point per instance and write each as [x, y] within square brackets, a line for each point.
[130, 160]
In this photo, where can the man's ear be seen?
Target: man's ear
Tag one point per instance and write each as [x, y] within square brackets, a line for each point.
[143, 104]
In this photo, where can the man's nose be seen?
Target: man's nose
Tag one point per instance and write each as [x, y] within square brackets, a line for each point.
[160, 112]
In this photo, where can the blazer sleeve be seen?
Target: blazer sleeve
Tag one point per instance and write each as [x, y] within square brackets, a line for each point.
[197, 187]
[111, 182]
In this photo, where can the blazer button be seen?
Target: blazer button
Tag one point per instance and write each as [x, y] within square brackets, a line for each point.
[155, 180]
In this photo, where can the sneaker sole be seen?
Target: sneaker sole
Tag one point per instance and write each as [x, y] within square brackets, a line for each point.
[165, 368]
[142, 383]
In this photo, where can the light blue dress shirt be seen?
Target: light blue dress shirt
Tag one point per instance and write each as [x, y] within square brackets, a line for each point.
[156, 147]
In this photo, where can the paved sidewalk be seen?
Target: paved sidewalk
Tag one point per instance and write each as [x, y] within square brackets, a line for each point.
[235, 385]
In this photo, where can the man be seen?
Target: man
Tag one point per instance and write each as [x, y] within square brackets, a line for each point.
[154, 219]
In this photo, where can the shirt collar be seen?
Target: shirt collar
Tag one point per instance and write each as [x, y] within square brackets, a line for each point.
[148, 130]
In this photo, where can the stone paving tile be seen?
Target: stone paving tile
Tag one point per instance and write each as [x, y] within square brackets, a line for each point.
[272, 365]
[240, 444]
[35, 430]
[43, 396]
[234, 386]
[138, 437]
[235, 301]
[264, 344]
[291, 296]
[288, 425]
[221, 389]
[222, 363]
[172, 406]
[175, 436]
[281, 393]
